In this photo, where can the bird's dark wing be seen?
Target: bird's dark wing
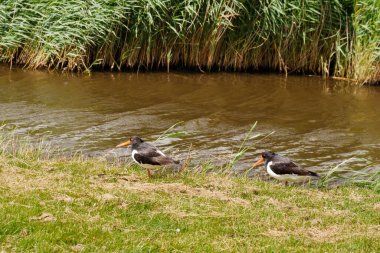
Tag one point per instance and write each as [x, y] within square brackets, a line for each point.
[146, 149]
[149, 154]
[165, 160]
[144, 159]
[290, 168]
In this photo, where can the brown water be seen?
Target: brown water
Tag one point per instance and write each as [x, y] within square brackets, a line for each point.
[319, 123]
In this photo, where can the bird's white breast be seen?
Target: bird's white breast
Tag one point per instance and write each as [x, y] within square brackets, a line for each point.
[133, 156]
[270, 171]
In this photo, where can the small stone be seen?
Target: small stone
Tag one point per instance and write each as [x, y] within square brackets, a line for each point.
[77, 248]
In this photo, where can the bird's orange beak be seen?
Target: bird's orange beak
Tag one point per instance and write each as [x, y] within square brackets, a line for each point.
[260, 161]
[124, 144]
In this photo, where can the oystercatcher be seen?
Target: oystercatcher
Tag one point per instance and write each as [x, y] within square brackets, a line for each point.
[148, 156]
[284, 169]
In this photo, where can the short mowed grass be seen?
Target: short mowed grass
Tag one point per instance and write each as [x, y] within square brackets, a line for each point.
[90, 205]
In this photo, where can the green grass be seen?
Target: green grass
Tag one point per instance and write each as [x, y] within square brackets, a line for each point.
[336, 38]
[74, 204]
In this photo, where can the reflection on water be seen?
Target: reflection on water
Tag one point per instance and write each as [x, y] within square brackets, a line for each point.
[319, 123]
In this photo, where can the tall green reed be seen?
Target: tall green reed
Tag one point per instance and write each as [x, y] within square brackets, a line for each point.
[366, 177]
[314, 36]
[366, 23]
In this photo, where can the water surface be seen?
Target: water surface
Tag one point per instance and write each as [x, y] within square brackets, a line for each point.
[319, 123]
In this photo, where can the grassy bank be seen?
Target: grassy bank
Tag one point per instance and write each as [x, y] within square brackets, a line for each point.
[323, 37]
[76, 204]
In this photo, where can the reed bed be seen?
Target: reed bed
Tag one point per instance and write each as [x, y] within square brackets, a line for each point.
[316, 36]
[366, 24]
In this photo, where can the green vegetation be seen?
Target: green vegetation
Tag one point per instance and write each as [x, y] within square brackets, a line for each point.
[336, 38]
[53, 204]
[366, 23]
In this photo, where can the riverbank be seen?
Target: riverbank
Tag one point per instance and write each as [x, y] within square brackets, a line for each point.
[77, 204]
[328, 38]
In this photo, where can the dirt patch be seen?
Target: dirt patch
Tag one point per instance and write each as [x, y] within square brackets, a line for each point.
[277, 233]
[130, 178]
[318, 194]
[329, 234]
[24, 232]
[26, 180]
[107, 197]
[335, 212]
[340, 232]
[77, 248]
[356, 197]
[218, 183]
[184, 214]
[123, 205]
[179, 214]
[175, 188]
[280, 204]
[64, 198]
[45, 217]
[94, 219]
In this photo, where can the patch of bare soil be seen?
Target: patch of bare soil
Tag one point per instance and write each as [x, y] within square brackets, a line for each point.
[335, 212]
[132, 184]
[45, 217]
[77, 248]
[64, 198]
[280, 204]
[107, 197]
[217, 183]
[183, 214]
[179, 188]
[330, 234]
[22, 181]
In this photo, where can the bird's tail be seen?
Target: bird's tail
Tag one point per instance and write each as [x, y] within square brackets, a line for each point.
[313, 174]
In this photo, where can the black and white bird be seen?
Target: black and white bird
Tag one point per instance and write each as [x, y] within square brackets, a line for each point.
[150, 157]
[284, 169]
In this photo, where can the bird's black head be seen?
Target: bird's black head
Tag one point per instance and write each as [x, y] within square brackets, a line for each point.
[267, 155]
[134, 140]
